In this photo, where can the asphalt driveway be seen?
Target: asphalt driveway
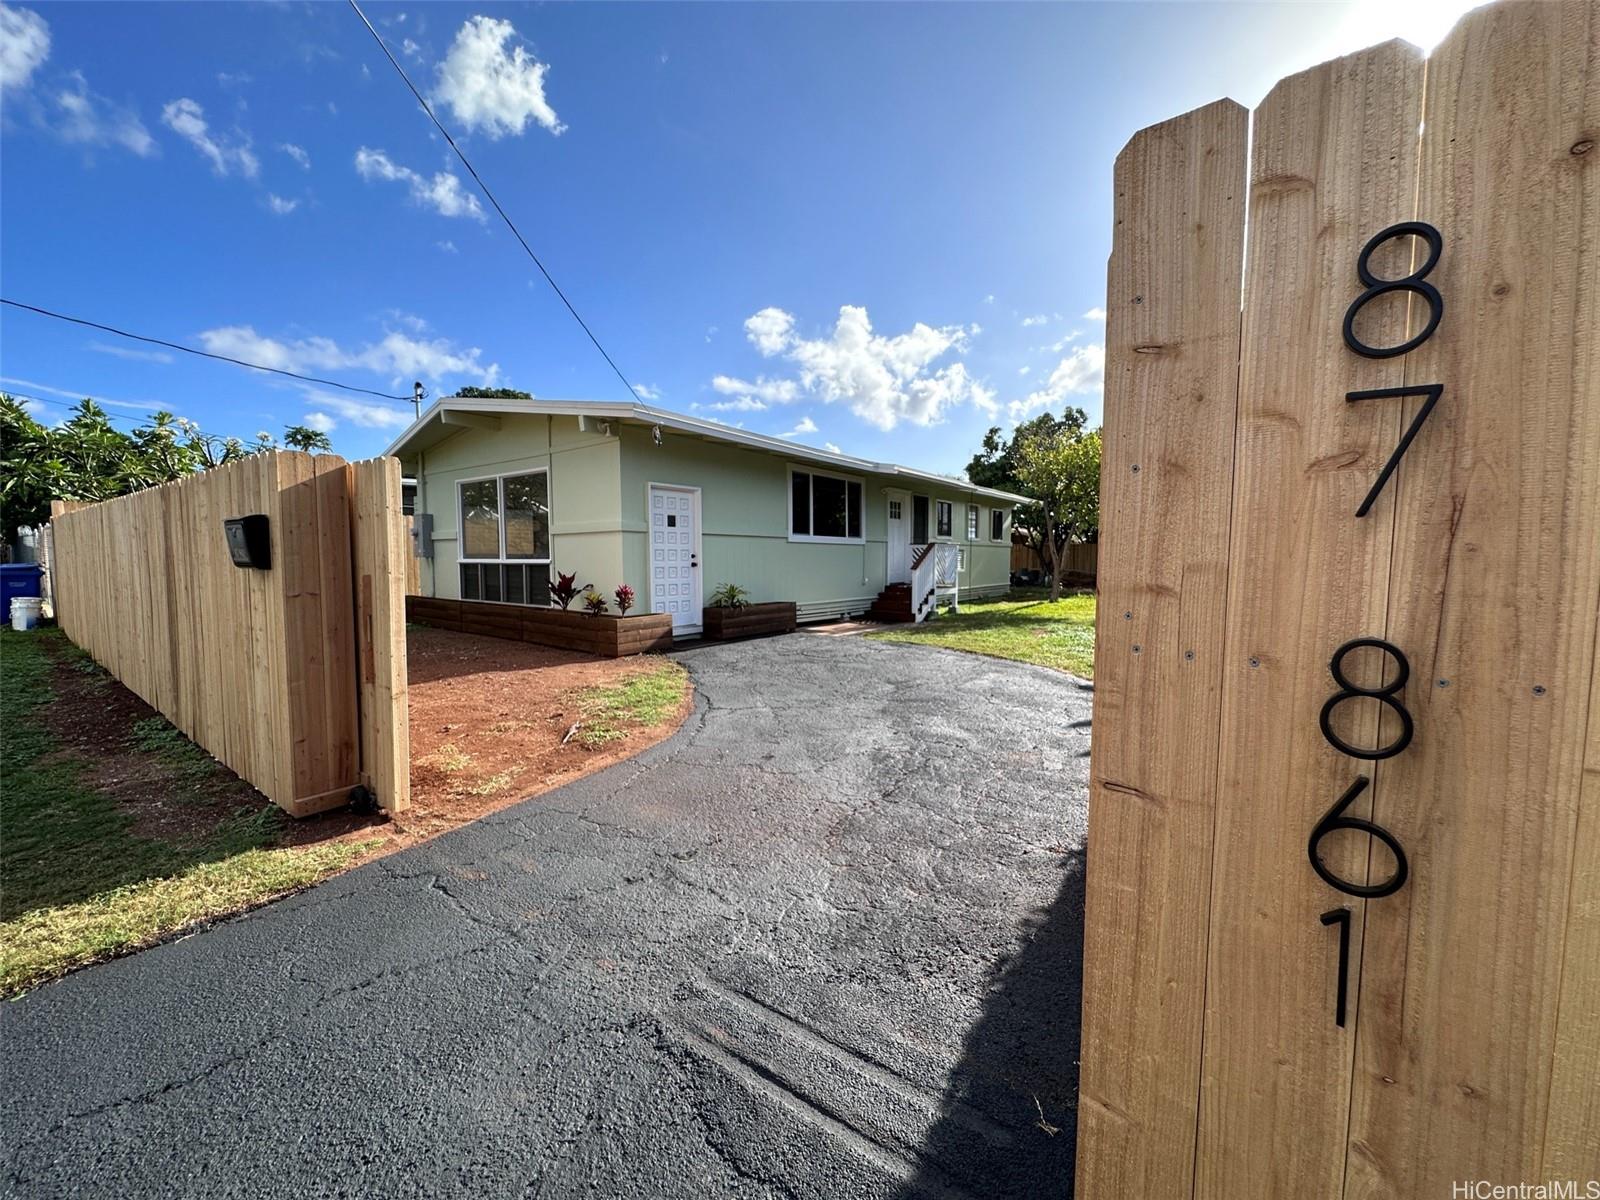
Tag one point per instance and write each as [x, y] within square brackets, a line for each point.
[824, 942]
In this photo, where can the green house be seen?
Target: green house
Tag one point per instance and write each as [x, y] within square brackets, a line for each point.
[510, 492]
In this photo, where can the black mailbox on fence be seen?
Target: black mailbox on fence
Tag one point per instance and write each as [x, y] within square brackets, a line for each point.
[249, 542]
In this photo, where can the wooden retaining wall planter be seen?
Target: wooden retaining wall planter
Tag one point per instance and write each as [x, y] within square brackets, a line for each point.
[606, 636]
[753, 620]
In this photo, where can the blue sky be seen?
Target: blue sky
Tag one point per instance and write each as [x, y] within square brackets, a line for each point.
[877, 227]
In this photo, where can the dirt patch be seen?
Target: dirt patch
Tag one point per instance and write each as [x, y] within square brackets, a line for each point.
[488, 719]
[178, 796]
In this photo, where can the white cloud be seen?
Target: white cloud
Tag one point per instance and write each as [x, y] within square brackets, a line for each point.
[443, 193]
[1095, 314]
[447, 246]
[1038, 319]
[1061, 343]
[1023, 370]
[297, 153]
[130, 353]
[32, 407]
[884, 380]
[806, 425]
[396, 355]
[227, 155]
[281, 206]
[24, 44]
[331, 410]
[645, 392]
[831, 448]
[753, 397]
[85, 118]
[411, 50]
[770, 331]
[76, 394]
[490, 89]
[1080, 373]
[989, 299]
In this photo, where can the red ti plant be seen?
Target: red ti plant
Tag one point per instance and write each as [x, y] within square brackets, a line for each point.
[624, 595]
[565, 589]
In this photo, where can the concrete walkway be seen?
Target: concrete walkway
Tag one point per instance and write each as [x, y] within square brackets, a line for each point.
[824, 942]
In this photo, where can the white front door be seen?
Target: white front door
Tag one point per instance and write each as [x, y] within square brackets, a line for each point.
[899, 537]
[675, 555]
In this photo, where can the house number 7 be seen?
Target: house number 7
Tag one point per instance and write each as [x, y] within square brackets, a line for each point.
[1334, 819]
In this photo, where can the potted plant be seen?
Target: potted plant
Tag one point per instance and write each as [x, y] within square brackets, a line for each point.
[729, 614]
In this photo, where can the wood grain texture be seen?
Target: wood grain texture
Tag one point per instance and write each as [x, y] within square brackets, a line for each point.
[1333, 161]
[380, 551]
[1172, 341]
[1496, 583]
[258, 667]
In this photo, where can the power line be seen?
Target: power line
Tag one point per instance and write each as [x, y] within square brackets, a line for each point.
[511, 225]
[238, 362]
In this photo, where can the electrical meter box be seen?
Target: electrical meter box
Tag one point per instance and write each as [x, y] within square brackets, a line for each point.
[422, 535]
[249, 541]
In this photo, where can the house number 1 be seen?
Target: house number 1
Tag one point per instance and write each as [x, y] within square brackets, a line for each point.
[1334, 819]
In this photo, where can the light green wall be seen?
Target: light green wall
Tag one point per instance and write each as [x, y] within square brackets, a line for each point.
[585, 496]
[744, 526]
[598, 497]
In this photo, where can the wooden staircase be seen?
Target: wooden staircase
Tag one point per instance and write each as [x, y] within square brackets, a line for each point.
[893, 605]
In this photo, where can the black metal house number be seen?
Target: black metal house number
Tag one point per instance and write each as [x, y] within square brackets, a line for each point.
[1387, 695]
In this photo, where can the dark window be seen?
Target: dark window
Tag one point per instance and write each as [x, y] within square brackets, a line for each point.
[829, 505]
[919, 520]
[997, 524]
[824, 506]
[507, 583]
[800, 485]
[471, 588]
[944, 513]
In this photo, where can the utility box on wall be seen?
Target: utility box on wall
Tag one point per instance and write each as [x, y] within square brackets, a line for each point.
[1343, 903]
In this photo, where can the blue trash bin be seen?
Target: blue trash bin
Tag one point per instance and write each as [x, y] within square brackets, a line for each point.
[16, 579]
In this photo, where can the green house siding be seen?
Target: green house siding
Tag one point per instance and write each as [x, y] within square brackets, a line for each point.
[585, 499]
[745, 526]
[599, 497]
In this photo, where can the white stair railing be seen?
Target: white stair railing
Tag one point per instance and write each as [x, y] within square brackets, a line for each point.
[935, 569]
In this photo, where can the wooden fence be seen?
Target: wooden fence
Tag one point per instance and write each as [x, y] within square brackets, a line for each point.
[1271, 1007]
[293, 676]
[1082, 558]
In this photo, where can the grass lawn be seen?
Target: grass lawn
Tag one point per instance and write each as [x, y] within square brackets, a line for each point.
[115, 829]
[1024, 626]
[638, 702]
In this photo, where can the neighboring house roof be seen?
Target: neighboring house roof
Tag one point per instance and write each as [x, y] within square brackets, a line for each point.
[448, 414]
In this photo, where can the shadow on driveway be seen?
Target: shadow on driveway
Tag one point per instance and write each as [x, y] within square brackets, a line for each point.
[1024, 1045]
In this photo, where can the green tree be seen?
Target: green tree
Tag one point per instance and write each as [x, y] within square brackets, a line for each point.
[303, 437]
[995, 465]
[483, 393]
[1062, 470]
[30, 471]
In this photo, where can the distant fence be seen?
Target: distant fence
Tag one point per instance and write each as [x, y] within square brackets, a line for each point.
[1083, 558]
[293, 675]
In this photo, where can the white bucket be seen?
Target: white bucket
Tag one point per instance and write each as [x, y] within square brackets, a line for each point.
[24, 612]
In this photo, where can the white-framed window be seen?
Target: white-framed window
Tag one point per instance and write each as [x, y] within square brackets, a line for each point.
[972, 522]
[943, 518]
[505, 537]
[997, 524]
[824, 507]
[961, 559]
[895, 510]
